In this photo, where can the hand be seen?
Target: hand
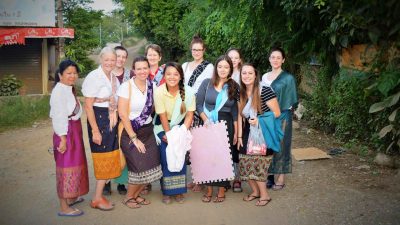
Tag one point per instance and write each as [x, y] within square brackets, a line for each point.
[96, 138]
[164, 138]
[235, 139]
[139, 145]
[63, 145]
[207, 123]
[253, 121]
[239, 143]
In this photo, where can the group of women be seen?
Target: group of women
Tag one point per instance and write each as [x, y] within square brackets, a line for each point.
[150, 105]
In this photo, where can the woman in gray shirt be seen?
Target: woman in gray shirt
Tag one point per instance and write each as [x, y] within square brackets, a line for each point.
[217, 100]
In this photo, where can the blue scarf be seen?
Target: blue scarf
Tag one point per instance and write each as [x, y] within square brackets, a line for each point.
[222, 97]
[271, 129]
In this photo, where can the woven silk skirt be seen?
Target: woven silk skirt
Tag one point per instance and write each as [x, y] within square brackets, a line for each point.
[282, 161]
[143, 168]
[71, 166]
[106, 156]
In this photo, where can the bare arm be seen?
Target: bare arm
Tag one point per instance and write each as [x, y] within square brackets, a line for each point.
[92, 120]
[240, 131]
[274, 106]
[123, 109]
[164, 124]
[188, 119]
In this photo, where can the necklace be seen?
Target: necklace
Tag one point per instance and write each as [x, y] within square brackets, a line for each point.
[141, 87]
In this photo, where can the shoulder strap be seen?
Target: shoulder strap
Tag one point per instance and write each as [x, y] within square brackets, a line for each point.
[129, 99]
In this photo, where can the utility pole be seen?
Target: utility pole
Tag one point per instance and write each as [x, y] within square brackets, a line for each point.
[100, 35]
[60, 23]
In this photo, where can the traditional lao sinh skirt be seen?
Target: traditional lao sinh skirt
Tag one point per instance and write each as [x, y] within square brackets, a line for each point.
[71, 166]
[106, 156]
[143, 168]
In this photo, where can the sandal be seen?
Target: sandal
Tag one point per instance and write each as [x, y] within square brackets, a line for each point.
[250, 198]
[263, 202]
[131, 203]
[180, 199]
[77, 201]
[75, 212]
[219, 199]
[206, 198]
[166, 199]
[277, 187]
[142, 201]
[99, 204]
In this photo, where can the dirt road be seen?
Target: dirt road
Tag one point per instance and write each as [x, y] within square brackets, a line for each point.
[330, 191]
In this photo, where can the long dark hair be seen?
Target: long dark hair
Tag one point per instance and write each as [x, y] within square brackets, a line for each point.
[62, 67]
[181, 85]
[232, 85]
[256, 100]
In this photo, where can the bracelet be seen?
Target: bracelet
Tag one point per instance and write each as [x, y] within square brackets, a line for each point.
[239, 137]
[133, 138]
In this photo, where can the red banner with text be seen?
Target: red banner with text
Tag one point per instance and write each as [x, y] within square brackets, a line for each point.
[10, 36]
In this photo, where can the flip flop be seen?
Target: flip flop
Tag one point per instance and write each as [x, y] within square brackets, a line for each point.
[263, 202]
[206, 198]
[131, 200]
[277, 187]
[180, 199]
[250, 198]
[219, 199]
[100, 203]
[166, 199]
[143, 201]
[77, 201]
[74, 213]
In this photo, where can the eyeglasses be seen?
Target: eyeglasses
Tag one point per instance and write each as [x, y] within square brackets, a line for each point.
[197, 50]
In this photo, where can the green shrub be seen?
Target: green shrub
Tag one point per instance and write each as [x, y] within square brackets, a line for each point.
[9, 85]
[316, 103]
[348, 106]
[21, 111]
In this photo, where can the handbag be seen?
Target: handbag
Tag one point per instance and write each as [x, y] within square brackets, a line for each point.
[256, 144]
[121, 128]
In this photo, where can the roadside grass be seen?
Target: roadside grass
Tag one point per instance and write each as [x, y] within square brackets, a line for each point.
[22, 111]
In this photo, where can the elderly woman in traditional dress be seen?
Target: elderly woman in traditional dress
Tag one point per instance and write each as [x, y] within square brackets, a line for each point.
[69, 154]
[175, 104]
[138, 143]
[99, 88]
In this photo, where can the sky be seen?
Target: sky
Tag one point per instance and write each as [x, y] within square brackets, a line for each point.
[106, 5]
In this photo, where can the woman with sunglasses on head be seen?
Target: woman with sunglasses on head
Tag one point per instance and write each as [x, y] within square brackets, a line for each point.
[138, 143]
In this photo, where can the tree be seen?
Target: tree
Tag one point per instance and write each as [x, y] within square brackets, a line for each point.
[84, 21]
[158, 21]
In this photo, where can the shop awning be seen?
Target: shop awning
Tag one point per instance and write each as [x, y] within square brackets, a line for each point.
[10, 36]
